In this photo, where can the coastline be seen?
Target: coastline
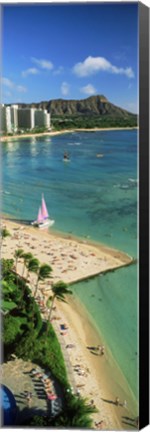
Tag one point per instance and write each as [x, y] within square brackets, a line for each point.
[81, 258]
[104, 381]
[106, 375]
[64, 131]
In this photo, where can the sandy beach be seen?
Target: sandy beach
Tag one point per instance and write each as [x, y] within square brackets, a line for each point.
[72, 260]
[96, 376]
[54, 133]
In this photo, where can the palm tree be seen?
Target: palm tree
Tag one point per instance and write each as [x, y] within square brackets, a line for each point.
[43, 273]
[26, 258]
[49, 306]
[4, 233]
[18, 254]
[59, 291]
[7, 289]
[32, 266]
[76, 414]
[7, 303]
[7, 268]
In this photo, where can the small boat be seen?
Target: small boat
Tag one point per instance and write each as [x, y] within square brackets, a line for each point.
[43, 219]
[48, 139]
[99, 155]
[66, 157]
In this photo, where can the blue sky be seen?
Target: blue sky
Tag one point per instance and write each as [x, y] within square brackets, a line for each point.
[70, 51]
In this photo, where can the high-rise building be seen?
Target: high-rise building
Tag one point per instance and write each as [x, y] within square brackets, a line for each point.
[14, 117]
[5, 119]
[26, 118]
[42, 118]
[47, 119]
[39, 118]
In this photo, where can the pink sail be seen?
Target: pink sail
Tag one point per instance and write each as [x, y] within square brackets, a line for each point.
[40, 217]
[44, 209]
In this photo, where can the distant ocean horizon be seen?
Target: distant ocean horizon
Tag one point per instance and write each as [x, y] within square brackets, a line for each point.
[93, 197]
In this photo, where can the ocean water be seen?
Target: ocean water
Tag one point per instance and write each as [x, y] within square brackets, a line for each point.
[94, 198]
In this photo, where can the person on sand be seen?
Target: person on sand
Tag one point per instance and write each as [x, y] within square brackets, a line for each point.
[70, 346]
[99, 349]
[117, 401]
[124, 404]
[137, 422]
[29, 397]
[99, 424]
[92, 403]
[102, 350]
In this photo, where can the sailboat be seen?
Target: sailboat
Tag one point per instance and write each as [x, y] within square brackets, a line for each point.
[43, 220]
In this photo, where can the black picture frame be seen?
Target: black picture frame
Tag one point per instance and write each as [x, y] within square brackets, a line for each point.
[144, 215]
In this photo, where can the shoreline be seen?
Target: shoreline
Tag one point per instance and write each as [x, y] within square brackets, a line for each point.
[69, 236]
[63, 131]
[107, 373]
[104, 381]
[86, 260]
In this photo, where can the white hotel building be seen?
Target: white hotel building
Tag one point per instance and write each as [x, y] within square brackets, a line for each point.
[42, 118]
[26, 118]
[13, 118]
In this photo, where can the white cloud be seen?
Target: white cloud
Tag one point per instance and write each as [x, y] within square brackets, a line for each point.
[7, 82]
[12, 86]
[21, 89]
[89, 89]
[58, 71]
[30, 71]
[44, 64]
[65, 88]
[92, 65]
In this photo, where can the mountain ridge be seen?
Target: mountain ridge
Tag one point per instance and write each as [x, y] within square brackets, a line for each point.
[97, 105]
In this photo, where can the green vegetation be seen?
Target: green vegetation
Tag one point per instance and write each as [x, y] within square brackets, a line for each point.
[43, 272]
[36, 130]
[28, 337]
[76, 414]
[7, 267]
[18, 254]
[23, 326]
[3, 234]
[94, 121]
[59, 291]
[32, 266]
[26, 258]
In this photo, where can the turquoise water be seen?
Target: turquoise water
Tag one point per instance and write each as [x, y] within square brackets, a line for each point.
[94, 197]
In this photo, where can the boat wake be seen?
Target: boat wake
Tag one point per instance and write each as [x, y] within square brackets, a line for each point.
[74, 144]
[131, 184]
[4, 192]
